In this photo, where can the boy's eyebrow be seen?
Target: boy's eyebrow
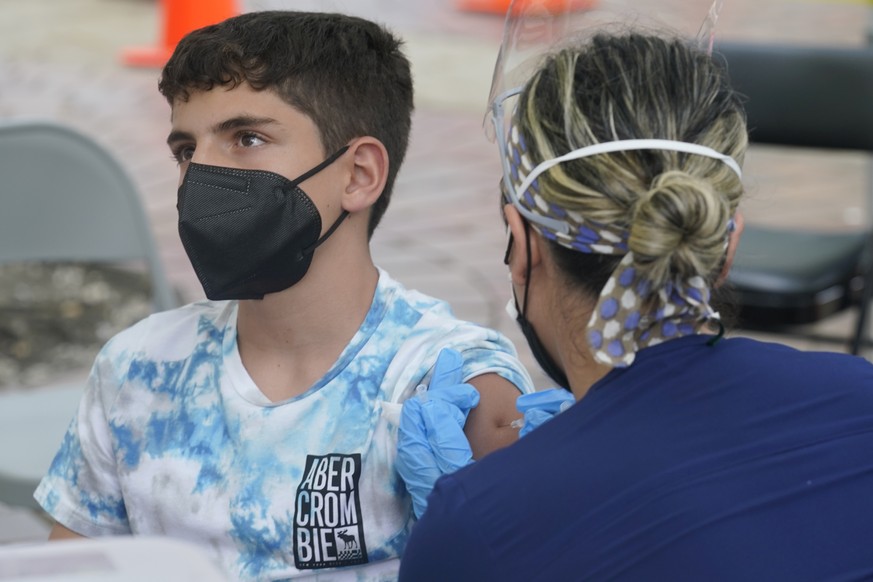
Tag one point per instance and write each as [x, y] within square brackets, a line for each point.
[224, 126]
[241, 121]
[179, 136]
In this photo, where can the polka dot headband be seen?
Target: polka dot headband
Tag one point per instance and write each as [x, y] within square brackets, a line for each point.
[618, 327]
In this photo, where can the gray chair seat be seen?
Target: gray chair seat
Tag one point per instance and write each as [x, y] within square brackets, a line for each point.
[793, 277]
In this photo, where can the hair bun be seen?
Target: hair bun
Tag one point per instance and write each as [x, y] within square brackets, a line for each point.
[678, 228]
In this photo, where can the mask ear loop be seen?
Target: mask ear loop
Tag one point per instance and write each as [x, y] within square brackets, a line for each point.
[527, 269]
[508, 250]
[715, 339]
[523, 309]
[311, 249]
[333, 157]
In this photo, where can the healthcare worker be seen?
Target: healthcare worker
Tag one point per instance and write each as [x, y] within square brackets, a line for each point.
[687, 455]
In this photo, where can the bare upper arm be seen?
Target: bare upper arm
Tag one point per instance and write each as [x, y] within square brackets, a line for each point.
[488, 425]
[60, 532]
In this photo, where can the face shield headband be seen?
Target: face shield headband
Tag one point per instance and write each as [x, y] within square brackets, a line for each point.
[620, 324]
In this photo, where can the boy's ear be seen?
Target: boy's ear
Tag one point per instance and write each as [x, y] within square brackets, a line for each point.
[369, 172]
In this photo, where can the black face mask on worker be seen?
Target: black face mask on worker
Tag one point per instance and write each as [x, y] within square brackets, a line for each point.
[249, 232]
[538, 350]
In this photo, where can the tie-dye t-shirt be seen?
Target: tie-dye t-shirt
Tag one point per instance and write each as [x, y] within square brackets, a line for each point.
[172, 437]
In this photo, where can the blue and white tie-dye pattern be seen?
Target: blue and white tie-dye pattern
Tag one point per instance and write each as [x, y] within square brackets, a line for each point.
[172, 437]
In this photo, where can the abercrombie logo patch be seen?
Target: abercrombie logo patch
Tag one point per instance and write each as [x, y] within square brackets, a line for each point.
[328, 530]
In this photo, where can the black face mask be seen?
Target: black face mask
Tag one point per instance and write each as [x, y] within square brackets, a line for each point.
[540, 353]
[248, 232]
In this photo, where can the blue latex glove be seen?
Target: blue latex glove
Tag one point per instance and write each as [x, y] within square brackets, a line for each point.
[538, 407]
[431, 439]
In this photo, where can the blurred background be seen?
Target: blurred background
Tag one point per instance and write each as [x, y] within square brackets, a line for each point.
[62, 60]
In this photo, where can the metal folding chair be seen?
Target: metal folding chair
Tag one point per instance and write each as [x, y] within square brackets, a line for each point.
[62, 198]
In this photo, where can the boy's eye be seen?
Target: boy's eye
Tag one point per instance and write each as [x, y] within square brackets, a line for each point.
[183, 153]
[248, 140]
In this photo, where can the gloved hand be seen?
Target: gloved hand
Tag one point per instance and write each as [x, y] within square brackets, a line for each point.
[431, 438]
[538, 407]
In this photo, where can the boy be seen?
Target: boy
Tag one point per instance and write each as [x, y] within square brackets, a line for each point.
[262, 423]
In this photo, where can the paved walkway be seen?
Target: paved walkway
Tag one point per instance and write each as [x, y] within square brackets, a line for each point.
[442, 233]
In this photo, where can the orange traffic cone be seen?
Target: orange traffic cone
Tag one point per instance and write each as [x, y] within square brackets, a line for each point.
[502, 6]
[179, 18]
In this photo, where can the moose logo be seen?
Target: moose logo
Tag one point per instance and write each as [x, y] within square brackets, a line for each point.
[328, 531]
[350, 544]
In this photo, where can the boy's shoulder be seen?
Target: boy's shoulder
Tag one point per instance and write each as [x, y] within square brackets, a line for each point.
[420, 312]
[417, 327]
[391, 290]
[166, 334]
[410, 312]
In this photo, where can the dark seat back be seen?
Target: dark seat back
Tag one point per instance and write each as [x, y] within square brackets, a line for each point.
[819, 97]
[812, 97]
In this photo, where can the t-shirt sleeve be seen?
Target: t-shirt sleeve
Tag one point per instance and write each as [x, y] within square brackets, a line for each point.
[484, 351]
[81, 490]
[496, 357]
[447, 543]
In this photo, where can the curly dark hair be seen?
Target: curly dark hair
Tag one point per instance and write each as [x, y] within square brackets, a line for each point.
[347, 74]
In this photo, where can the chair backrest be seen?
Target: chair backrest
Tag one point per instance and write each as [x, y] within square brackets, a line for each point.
[64, 198]
[807, 96]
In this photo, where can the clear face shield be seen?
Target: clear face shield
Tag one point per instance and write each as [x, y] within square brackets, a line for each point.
[535, 28]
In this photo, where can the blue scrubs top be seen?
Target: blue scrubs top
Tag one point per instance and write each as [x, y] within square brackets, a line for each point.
[738, 461]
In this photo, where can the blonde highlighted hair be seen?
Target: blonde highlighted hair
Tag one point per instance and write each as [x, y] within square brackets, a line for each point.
[674, 206]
